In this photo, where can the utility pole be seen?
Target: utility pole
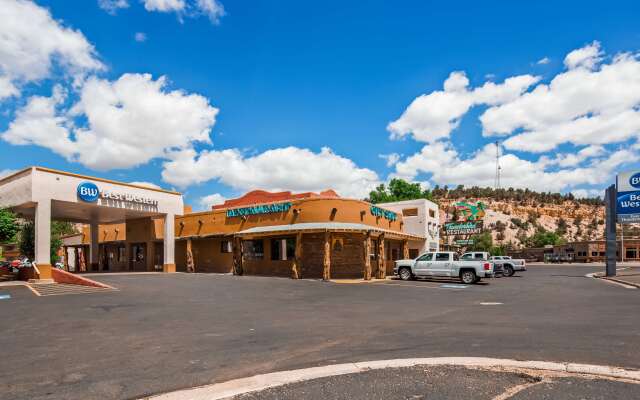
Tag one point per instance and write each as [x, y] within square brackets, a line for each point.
[497, 178]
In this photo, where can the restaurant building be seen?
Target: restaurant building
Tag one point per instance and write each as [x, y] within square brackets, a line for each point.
[580, 251]
[303, 235]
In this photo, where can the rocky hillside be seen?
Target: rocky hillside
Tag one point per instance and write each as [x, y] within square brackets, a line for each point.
[511, 222]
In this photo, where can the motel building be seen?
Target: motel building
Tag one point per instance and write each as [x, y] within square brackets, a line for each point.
[130, 228]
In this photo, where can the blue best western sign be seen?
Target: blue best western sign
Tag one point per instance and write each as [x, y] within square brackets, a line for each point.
[88, 192]
[628, 204]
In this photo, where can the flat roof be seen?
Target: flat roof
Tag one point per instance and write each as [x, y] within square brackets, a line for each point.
[93, 178]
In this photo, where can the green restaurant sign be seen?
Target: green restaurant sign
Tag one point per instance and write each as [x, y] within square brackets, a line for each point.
[261, 209]
[463, 228]
[381, 212]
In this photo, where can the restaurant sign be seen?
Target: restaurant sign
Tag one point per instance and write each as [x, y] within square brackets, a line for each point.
[463, 228]
[260, 209]
[381, 212]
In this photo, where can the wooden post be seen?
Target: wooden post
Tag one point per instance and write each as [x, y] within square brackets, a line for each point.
[326, 270]
[367, 256]
[66, 258]
[190, 264]
[296, 267]
[405, 249]
[237, 256]
[382, 268]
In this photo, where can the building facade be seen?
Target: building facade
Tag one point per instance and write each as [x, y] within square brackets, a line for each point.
[581, 251]
[421, 217]
[305, 235]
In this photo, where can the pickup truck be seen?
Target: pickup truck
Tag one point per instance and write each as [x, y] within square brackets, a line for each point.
[509, 265]
[482, 256]
[445, 264]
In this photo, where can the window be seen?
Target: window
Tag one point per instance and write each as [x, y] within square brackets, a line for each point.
[413, 253]
[226, 246]
[283, 249]
[395, 254]
[442, 256]
[467, 256]
[594, 254]
[410, 212]
[602, 254]
[122, 254]
[432, 213]
[478, 256]
[425, 257]
[254, 249]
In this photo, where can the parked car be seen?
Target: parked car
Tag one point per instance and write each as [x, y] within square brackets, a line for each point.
[445, 264]
[482, 256]
[509, 265]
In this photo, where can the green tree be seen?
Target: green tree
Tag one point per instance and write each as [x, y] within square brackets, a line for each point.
[9, 226]
[27, 238]
[543, 238]
[398, 190]
[482, 241]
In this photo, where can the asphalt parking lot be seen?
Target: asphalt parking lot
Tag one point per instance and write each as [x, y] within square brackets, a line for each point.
[163, 332]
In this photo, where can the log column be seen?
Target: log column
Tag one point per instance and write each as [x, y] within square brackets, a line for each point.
[190, 264]
[237, 256]
[326, 264]
[405, 249]
[367, 256]
[296, 267]
[382, 268]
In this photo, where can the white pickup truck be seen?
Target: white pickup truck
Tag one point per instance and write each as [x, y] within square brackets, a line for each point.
[509, 265]
[445, 264]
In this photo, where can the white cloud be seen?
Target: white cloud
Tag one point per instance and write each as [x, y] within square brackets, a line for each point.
[212, 9]
[390, 159]
[38, 123]
[129, 122]
[205, 202]
[140, 37]
[433, 116]
[112, 6]
[288, 168]
[587, 193]
[543, 61]
[572, 159]
[164, 5]
[31, 42]
[445, 166]
[590, 103]
[146, 184]
[587, 56]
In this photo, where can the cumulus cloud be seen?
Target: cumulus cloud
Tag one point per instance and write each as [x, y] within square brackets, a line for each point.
[433, 116]
[445, 166]
[390, 159]
[31, 42]
[164, 5]
[128, 122]
[140, 37]
[288, 168]
[205, 202]
[587, 193]
[590, 103]
[213, 9]
[112, 6]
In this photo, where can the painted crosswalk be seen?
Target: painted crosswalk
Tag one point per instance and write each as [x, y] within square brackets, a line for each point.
[56, 289]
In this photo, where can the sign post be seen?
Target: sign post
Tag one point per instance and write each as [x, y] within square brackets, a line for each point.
[610, 199]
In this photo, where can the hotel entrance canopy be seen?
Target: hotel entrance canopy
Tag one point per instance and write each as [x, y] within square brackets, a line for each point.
[43, 194]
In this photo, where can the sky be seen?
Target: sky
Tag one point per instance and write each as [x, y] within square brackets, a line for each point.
[214, 98]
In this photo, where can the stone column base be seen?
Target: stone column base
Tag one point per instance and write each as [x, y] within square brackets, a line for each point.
[169, 268]
[45, 271]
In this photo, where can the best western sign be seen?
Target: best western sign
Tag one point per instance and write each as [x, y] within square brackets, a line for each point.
[628, 205]
[90, 193]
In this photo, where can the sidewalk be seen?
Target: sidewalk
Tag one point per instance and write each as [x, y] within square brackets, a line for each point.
[628, 275]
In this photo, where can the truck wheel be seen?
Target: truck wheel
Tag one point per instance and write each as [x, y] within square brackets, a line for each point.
[405, 274]
[468, 277]
[508, 270]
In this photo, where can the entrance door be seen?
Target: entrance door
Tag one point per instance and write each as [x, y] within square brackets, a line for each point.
[138, 260]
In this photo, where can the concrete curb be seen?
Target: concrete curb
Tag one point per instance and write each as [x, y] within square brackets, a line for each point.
[636, 285]
[236, 387]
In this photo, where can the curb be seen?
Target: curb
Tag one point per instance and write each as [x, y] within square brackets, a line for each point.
[236, 387]
[636, 285]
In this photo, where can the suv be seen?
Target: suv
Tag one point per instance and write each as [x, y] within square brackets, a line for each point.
[481, 256]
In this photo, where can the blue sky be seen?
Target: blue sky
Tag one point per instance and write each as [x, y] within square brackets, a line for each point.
[289, 78]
